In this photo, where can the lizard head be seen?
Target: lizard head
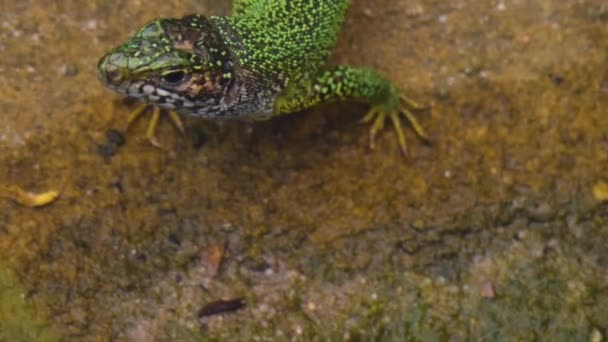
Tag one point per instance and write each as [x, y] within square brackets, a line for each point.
[180, 64]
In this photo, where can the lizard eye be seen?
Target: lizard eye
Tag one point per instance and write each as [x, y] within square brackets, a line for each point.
[174, 77]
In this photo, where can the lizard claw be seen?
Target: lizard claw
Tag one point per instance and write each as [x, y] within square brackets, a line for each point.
[151, 130]
[379, 113]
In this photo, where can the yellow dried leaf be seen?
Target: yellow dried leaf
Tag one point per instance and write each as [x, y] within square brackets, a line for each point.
[600, 191]
[30, 199]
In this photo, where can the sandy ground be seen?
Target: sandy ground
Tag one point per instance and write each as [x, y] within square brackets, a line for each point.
[497, 229]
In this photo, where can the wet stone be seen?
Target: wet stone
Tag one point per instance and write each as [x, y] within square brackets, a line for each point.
[312, 215]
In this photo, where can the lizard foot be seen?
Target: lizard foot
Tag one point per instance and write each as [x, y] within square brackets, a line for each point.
[151, 131]
[379, 113]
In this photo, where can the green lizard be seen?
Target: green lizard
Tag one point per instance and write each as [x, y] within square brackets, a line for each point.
[266, 60]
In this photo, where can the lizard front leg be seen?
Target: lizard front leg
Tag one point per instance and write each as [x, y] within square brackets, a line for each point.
[344, 83]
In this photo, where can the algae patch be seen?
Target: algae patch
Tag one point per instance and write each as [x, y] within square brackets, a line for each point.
[18, 318]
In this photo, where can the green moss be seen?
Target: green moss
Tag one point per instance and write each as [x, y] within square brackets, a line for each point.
[19, 320]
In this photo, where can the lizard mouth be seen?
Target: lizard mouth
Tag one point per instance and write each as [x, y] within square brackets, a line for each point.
[154, 95]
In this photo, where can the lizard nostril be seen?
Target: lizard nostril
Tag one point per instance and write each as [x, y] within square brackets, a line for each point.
[113, 75]
[111, 69]
[110, 73]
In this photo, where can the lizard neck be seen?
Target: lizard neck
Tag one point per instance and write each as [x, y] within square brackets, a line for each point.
[251, 92]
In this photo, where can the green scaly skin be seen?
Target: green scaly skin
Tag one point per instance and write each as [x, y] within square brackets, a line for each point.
[266, 60]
